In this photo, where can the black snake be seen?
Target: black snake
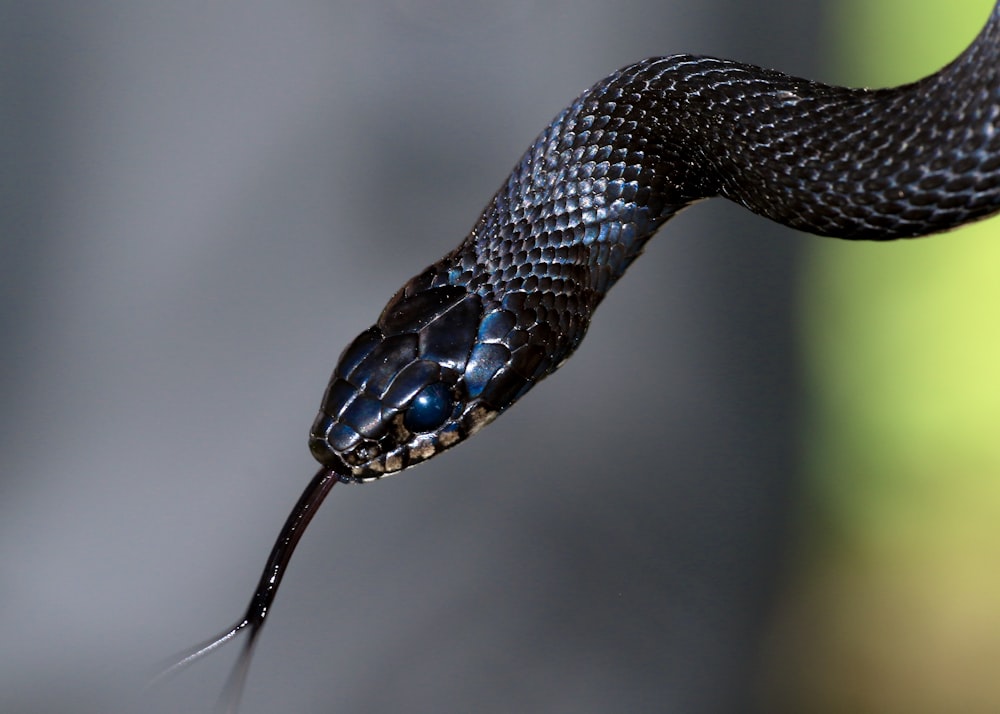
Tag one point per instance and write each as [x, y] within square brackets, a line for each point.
[463, 340]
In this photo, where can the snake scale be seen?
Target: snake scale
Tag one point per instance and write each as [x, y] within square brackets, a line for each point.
[462, 341]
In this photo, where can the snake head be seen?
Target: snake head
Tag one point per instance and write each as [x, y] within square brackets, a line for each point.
[432, 371]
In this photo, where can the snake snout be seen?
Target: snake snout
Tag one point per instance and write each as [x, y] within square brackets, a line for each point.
[398, 396]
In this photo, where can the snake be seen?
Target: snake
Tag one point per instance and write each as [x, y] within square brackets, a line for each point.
[463, 340]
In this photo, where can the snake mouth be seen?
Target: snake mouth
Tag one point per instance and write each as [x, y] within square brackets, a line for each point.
[371, 460]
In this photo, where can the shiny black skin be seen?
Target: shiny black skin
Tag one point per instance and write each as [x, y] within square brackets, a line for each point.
[462, 341]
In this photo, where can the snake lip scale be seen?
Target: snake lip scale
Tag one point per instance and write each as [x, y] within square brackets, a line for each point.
[462, 341]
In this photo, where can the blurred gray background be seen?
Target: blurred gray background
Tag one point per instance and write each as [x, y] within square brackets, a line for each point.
[203, 202]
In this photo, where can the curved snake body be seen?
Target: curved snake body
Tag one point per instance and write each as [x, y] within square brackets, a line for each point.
[464, 339]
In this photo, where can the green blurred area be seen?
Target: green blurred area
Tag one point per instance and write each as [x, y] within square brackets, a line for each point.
[896, 603]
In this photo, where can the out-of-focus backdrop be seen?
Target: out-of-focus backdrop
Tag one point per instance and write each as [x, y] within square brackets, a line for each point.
[893, 606]
[766, 480]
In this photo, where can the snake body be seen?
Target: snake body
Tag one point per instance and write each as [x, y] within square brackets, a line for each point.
[464, 339]
[460, 343]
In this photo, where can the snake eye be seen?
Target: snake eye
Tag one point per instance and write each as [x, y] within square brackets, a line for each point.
[430, 408]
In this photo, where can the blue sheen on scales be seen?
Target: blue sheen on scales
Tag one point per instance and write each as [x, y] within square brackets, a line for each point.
[466, 338]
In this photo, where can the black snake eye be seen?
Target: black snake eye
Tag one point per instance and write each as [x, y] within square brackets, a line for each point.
[430, 408]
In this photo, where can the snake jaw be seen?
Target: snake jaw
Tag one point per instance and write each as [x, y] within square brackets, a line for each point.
[400, 448]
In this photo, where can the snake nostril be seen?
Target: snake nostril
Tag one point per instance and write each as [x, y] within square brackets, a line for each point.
[362, 453]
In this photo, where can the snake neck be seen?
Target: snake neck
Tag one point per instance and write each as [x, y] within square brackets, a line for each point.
[660, 134]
